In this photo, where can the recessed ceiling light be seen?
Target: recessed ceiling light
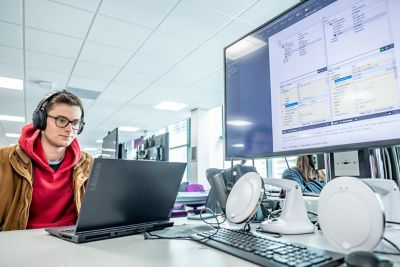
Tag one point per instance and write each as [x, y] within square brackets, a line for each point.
[238, 145]
[128, 129]
[89, 149]
[99, 141]
[13, 135]
[11, 83]
[11, 118]
[168, 105]
[238, 123]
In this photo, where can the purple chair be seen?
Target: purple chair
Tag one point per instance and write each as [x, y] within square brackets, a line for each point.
[194, 188]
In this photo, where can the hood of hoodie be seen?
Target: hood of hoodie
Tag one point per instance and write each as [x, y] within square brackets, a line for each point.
[30, 141]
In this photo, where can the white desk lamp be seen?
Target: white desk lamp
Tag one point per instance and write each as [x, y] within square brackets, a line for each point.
[294, 218]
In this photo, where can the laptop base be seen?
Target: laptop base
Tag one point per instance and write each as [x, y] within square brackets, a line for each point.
[69, 234]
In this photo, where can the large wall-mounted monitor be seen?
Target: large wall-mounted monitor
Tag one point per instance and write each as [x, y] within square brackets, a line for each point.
[321, 77]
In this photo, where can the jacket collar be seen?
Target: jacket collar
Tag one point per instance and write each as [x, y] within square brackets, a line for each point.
[22, 155]
[81, 160]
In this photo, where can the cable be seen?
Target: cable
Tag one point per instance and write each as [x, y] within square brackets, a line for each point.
[390, 253]
[391, 222]
[217, 227]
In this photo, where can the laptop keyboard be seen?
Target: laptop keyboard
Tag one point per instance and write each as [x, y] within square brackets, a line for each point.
[267, 251]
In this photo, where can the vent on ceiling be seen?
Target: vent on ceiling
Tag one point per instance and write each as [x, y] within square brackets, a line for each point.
[83, 93]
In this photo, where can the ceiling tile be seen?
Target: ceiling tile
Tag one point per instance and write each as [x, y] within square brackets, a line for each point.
[45, 62]
[97, 114]
[206, 58]
[182, 76]
[230, 33]
[119, 93]
[149, 64]
[103, 54]
[14, 106]
[12, 71]
[147, 13]
[94, 71]
[87, 83]
[89, 5]
[116, 33]
[12, 56]
[11, 10]
[266, 10]
[57, 18]
[208, 86]
[59, 79]
[173, 48]
[210, 102]
[11, 34]
[193, 22]
[134, 78]
[53, 44]
[228, 7]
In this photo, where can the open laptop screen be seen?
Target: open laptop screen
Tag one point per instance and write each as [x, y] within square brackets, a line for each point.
[126, 192]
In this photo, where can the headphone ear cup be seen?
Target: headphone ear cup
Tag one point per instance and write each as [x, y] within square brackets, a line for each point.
[39, 119]
[80, 129]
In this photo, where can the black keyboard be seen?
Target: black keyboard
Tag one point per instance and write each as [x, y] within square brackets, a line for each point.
[267, 251]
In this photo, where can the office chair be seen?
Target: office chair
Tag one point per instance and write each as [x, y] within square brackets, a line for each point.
[179, 210]
[194, 188]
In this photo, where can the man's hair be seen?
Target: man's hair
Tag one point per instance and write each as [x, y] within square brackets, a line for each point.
[63, 97]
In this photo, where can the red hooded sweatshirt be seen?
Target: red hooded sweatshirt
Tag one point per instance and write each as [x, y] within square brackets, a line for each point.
[53, 195]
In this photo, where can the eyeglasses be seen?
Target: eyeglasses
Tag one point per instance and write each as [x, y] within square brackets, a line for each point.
[63, 122]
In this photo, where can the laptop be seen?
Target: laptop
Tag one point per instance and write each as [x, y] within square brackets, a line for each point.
[125, 197]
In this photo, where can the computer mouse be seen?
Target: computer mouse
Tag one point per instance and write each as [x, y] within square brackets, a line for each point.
[366, 259]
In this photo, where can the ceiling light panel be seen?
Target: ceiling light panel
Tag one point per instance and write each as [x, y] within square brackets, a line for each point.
[12, 118]
[169, 105]
[11, 83]
[14, 135]
[128, 129]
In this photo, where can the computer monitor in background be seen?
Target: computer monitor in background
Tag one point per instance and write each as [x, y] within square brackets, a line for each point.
[321, 77]
[154, 148]
[109, 148]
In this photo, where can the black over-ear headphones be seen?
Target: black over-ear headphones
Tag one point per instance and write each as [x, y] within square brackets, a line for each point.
[39, 116]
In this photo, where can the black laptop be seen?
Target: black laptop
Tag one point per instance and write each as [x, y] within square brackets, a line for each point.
[125, 197]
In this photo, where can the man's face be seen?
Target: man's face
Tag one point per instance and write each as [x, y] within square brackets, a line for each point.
[57, 136]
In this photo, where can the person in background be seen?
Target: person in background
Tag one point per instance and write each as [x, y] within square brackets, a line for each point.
[42, 178]
[305, 174]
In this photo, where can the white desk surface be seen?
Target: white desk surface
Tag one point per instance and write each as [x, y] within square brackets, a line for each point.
[38, 248]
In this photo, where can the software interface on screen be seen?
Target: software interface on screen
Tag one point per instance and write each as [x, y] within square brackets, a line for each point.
[322, 75]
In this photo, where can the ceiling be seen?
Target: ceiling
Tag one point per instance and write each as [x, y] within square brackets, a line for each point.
[132, 54]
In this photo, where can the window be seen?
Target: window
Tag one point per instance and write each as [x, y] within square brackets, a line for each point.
[179, 142]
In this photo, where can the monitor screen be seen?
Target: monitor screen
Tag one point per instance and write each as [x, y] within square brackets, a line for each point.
[320, 77]
[110, 145]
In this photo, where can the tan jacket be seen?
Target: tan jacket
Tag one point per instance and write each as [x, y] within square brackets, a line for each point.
[16, 186]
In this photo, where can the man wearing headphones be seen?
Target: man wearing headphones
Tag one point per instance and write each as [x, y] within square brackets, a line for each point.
[42, 177]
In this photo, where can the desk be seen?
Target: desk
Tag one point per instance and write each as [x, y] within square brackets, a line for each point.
[38, 248]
